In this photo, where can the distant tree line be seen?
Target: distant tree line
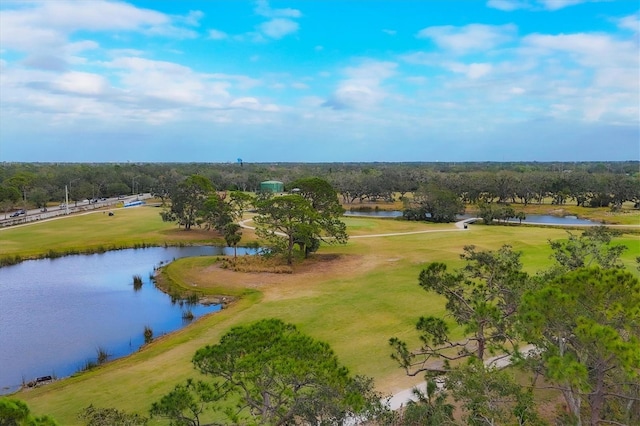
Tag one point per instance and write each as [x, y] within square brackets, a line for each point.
[590, 184]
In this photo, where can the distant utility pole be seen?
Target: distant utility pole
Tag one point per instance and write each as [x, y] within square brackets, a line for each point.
[66, 199]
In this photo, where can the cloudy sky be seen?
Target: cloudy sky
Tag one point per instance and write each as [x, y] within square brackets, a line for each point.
[319, 81]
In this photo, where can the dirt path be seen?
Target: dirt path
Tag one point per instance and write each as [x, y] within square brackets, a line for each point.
[459, 226]
[399, 399]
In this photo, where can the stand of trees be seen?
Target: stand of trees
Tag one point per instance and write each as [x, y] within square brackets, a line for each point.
[305, 218]
[194, 201]
[582, 317]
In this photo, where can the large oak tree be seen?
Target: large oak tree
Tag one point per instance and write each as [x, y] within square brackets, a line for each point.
[187, 201]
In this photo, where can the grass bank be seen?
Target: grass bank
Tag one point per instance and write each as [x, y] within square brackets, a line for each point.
[355, 297]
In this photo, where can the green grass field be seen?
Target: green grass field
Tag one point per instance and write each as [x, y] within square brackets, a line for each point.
[128, 227]
[368, 295]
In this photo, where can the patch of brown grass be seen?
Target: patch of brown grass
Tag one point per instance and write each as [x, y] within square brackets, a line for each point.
[256, 264]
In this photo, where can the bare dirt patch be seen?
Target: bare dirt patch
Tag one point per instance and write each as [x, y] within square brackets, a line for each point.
[304, 276]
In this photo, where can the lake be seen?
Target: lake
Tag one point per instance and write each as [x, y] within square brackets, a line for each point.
[56, 313]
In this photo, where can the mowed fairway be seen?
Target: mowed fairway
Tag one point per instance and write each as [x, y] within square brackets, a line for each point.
[354, 297]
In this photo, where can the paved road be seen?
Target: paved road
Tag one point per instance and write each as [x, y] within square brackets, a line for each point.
[36, 215]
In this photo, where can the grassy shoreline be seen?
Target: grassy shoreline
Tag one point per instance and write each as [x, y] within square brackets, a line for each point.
[354, 297]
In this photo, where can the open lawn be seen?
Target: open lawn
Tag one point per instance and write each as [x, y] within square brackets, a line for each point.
[128, 227]
[355, 297]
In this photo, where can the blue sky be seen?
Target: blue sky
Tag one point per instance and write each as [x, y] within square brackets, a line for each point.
[319, 81]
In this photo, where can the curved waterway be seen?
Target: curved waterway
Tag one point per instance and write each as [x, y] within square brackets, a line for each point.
[56, 313]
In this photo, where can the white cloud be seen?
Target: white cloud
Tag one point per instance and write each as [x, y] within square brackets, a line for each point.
[390, 32]
[548, 5]
[81, 83]
[253, 104]
[560, 4]
[193, 18]
[372, 71]
[631, 22]
[263, 9]
[354, 96]
[362, 89]
[142, 65]
[217, 34]
[278, 28]
[596, 50]
[508, 5]
[543, 70]
[472, 71]
[47, 25]
[473, 37]
[81, 46]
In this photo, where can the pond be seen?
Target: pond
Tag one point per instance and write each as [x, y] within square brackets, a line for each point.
[374, 213]
[532, 218]
[555, 220]
[55, 314]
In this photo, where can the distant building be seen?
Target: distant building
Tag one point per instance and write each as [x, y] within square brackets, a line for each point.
[272, 186]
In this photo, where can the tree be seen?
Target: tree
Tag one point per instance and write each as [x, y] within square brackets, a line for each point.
[240, 201]
[487, 212]
[14, 412]
[216, 213]
[586, 326]
[434, 204]
[324, 200]
[285, 220]
[592, 247]
[490, 396]
[483, 297]
[92, 416]
[232, 235]
[187, 201]
[9, 196]
[22, 181]
[117, 188]
[490, 212]
[39, 197]
[278, 375]
[185, 403]
[430, 409]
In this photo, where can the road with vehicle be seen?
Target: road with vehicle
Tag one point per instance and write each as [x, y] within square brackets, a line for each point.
[21, 216]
